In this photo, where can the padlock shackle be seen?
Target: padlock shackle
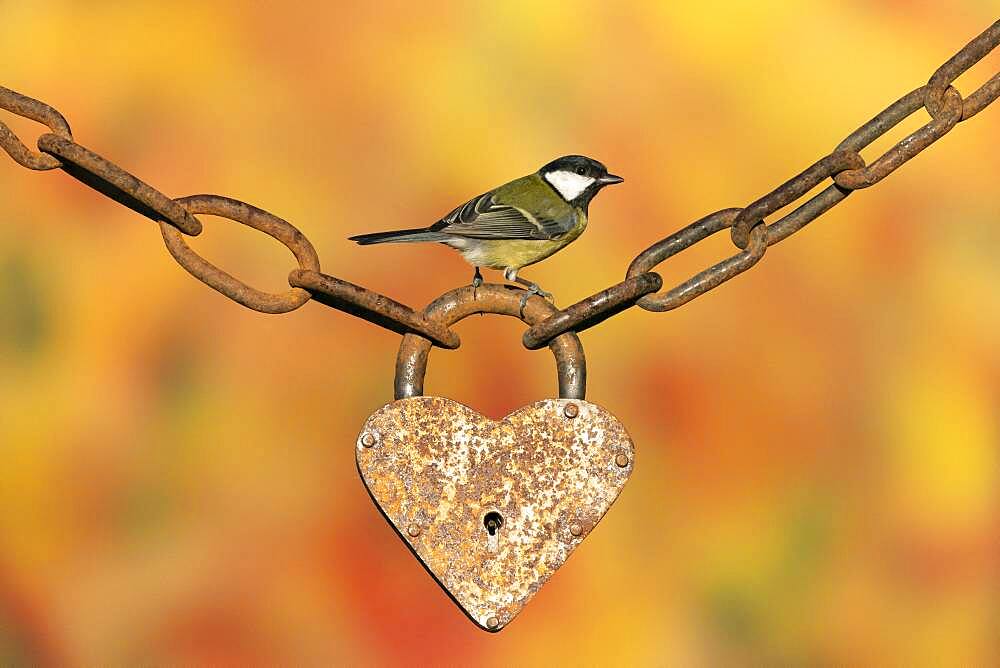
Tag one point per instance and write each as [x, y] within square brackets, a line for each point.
[453, 306]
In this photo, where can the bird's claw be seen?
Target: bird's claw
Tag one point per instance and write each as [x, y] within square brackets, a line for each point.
[533, 289]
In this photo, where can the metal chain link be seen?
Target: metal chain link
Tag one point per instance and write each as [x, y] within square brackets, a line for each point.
[177, 216]
[844, 166]
[752, 236]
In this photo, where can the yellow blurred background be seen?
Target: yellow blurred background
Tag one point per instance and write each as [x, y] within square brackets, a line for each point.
[817, 441]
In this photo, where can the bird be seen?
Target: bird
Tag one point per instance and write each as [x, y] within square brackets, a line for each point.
[517, 224]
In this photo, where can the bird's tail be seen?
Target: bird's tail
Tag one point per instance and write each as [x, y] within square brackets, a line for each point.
[398, 236]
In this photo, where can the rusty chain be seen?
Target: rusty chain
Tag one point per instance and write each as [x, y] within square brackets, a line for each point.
[177, 216]
[752, 235]
[749, 231]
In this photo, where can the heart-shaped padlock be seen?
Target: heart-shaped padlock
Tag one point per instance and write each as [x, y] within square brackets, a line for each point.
[492, 508]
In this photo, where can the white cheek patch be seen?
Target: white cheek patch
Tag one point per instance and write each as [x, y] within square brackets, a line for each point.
[569, 184]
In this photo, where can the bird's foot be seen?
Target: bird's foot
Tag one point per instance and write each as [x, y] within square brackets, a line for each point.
[477, 280]
[532, 290]
[510, 274]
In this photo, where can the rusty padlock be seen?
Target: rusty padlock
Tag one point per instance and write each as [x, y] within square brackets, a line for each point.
[492, 508]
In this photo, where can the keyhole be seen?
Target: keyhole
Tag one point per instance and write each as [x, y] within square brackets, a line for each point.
[493, 521]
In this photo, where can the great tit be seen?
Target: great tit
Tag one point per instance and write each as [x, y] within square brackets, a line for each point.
[518, 223]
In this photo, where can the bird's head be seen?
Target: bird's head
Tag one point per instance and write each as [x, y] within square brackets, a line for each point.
[577, 178]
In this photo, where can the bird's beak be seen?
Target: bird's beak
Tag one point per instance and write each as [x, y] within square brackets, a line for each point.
[609, 180]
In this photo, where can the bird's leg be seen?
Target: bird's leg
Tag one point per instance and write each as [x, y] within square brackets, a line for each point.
[477, 280]
[511, 275]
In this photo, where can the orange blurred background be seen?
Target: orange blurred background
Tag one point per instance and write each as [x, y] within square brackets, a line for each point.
[817, 475]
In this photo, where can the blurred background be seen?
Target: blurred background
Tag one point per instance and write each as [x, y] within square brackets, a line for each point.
[817, 441]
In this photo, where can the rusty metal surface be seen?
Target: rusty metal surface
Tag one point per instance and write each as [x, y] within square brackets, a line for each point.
[176, 215]
[109, 179]
[753, 214]
[910, 146]
[439, 471]
[216, 278]
[592, 310]
[453, 306]
[845, 168]
[707, 279]
[960, 63]
[371, 306]
[22, 105]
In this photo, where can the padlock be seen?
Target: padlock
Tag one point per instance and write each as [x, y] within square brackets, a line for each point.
[492, 508]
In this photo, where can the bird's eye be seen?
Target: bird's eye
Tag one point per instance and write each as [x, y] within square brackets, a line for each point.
[581, 171]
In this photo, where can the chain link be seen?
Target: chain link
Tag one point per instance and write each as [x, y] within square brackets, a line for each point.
[750, 233]
[25, 106]
[372, 306]
[258, 219]
[844, 166]
[109, 179]
[710, 278]
[913, 144]
[957, 65]
[177, 216]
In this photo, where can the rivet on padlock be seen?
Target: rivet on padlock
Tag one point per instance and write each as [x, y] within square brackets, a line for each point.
[504, 502]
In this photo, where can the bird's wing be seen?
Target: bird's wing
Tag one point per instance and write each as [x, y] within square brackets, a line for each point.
[484, 218]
